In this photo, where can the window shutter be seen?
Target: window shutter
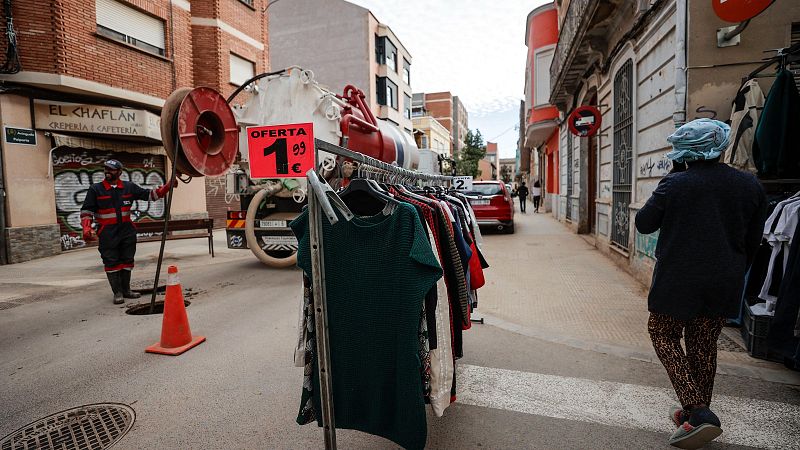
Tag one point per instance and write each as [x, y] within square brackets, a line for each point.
[380, 89]
[131, 22]
[241, 70]
[541, 67]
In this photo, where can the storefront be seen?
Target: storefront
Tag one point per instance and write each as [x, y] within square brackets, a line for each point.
[47, 175]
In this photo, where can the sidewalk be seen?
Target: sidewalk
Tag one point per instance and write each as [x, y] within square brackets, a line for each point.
[44, 278]
[549, 283]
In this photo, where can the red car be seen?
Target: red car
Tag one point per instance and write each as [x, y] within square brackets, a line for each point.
[493, 205]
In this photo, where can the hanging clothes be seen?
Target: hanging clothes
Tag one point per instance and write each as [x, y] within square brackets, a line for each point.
[374, 299]
[746, 111]
[776, 150]
[778, 231]
[781, 338]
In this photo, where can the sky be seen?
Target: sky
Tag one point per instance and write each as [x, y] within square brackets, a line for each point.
[473, 48]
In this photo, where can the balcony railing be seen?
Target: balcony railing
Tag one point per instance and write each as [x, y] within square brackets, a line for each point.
[575, 21]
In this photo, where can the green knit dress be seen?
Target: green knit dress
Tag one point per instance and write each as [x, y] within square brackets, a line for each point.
[378, 270]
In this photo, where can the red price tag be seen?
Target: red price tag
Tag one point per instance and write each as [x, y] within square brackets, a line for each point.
[281, 151]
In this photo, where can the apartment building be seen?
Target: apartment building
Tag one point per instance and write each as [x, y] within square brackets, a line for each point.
[344, 44]
[448, 110]
[85, 82]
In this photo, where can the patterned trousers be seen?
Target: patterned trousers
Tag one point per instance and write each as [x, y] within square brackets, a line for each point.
[691, 372]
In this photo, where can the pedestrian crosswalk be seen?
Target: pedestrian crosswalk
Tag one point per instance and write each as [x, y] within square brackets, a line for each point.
[745, 421]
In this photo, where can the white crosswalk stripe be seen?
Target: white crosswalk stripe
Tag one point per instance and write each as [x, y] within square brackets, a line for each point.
[745, 421]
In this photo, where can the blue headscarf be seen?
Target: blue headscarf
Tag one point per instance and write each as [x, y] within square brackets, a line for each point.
[698, 140]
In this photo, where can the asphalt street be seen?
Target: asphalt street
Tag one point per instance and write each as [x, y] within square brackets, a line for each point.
[240, 389]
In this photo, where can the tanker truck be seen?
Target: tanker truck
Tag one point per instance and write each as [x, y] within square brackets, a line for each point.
[290, 96]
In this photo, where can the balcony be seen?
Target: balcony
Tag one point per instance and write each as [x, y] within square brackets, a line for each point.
[582, 41]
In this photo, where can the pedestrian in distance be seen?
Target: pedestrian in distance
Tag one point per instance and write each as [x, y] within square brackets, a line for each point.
[109, 203]
[522, 193]
[537, 195]
[710, 217]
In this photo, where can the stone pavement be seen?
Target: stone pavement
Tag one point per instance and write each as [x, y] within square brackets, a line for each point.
[549, 283]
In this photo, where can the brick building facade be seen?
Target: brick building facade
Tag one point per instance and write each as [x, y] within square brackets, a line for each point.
[92, 78]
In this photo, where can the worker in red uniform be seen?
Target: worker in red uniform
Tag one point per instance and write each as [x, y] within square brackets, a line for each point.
[109, 204]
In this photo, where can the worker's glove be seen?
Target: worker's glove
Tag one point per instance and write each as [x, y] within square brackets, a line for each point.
[161, 191]
[88, 232]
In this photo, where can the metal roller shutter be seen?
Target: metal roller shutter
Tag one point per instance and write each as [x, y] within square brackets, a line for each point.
[130, 22]
[75, 169]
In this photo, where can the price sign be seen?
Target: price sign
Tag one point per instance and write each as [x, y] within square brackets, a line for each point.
[462, 183]
[281, 151]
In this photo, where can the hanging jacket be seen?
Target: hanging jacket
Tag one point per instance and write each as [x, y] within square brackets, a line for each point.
[776, 150]
[747, 108]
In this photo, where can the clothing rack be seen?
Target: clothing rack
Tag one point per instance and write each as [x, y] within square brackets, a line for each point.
[318, 273]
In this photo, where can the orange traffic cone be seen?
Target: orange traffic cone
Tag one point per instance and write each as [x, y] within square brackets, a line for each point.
[176, 337]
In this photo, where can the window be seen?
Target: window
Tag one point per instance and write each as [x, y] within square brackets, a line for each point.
[241, 70]
[386, 52]
[130, 26]
[541, 86]
[623, 155]
[407, 106]
[387, 92]
[424, 141]
[250, 3]
[406, 72]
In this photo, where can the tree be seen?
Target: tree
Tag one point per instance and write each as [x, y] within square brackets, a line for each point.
[474, 150]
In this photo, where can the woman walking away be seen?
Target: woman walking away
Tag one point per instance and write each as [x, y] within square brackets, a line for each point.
[710, 218]
[537, 195]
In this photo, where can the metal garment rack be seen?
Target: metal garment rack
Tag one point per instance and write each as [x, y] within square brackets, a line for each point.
[315, 217]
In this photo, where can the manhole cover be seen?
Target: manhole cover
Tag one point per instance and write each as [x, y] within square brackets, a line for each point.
[143, 309]
[96, 426]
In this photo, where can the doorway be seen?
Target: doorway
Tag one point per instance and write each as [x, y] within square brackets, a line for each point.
[592, 184]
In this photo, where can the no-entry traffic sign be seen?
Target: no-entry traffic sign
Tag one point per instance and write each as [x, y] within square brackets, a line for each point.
[281, 151]
[584, 121]
[739, 10]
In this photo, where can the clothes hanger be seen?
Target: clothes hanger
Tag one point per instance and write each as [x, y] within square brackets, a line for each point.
[362, 190]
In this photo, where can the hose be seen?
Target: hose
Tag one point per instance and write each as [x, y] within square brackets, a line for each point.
[252, 241]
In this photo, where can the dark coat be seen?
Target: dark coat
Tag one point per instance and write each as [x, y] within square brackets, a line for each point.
[711, 219]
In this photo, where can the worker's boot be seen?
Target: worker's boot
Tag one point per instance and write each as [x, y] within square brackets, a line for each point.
[125, 275]
[115, 280]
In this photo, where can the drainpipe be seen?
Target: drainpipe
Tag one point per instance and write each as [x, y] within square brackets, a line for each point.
[3, 249]
[681, 17]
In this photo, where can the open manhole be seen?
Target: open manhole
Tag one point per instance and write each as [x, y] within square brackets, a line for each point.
[143, 309]
[97, 426]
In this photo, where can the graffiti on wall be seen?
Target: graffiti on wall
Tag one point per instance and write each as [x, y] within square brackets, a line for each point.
[654, 166]
[75, 170]
[646, 244]
[217, 186]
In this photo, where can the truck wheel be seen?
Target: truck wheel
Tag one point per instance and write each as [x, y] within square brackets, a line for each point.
[252, 241]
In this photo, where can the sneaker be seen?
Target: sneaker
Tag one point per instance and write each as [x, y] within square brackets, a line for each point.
[702, 427]
[678, 415]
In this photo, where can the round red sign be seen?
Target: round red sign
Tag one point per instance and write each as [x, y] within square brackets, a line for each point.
[584, 121]
[739, 10]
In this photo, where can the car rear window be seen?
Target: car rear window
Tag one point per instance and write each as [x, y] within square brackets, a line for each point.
[487, 189]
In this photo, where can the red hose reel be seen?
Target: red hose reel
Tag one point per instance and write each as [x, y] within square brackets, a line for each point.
[206, 129]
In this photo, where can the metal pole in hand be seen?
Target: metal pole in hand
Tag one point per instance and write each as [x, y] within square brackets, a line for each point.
[321, 317]
[168, 205]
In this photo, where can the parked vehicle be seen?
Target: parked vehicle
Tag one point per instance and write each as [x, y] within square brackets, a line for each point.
[493, 206]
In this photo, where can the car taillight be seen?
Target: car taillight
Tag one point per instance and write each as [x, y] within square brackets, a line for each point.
[237, 215]
[498, 200]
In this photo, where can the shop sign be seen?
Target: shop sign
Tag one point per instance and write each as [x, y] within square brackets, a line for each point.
[739, 10]
[584, 121]
[21, 136]
[96, 119]
[281, 151]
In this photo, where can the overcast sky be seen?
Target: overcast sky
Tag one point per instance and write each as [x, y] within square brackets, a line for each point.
[472, 48]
